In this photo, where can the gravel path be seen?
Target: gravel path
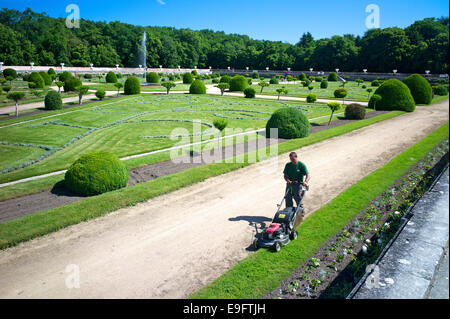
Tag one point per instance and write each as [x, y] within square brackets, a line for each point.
[174, 244]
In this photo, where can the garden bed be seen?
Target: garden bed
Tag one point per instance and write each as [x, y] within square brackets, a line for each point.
[336, 268]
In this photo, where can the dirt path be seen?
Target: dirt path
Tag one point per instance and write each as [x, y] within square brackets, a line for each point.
[176, 243]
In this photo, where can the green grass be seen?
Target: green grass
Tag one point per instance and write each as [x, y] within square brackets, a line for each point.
[28, 227]
[264, 270]
[438, 99]
[125, 139]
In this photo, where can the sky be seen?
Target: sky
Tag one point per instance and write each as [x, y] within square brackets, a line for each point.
[277, 20]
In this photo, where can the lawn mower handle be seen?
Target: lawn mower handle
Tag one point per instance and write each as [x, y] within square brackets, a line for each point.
[306, 188]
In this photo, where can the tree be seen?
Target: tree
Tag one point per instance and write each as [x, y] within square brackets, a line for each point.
[10, 79]
[369, 90]
[118, 85]
[334, 106]
[281, 90]
[340, 93]
[82, 90]
[7, 88]
[223, 86]
[263, 84]
[100, 94]
[168, 85]
[59, 84]
[359, 81]
[220, 124]
[16, 96]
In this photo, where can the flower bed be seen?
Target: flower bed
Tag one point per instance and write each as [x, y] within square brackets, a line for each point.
[339, 265]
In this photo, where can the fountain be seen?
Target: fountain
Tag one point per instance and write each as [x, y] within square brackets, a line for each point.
[143, 53]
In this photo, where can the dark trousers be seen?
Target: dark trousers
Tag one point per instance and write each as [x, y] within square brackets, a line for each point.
[294, 190]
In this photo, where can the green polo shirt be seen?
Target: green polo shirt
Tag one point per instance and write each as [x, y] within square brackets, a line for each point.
[295, 172]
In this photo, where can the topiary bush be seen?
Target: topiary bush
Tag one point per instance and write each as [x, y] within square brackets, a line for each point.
[440, 90]
[197, 87]
[302, 77]
[290, 122]
[37, 79]
[274, 80]
[53, 101]
[395, 95]
[188, 78]
[111, 77]
[324, 84]
[100, 94]
[306, 83]
[249, 93]
[152, 77]
[311, 98]
[71, 84]
[375, 83]
[225, 79]
[355, 111]
[238, 83]
[132, 86]
[421, 90]
[64, 76]
[46, 77]
[96, 173]
[332, 77]
[9, 72]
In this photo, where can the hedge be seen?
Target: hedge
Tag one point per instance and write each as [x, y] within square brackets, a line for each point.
[37, 79]
[290, 122]
[132, 86]
[355, 111]
[53, 101]
[421, 90]
[197, 87]
[152, 77]
[96, 173]
[395, 95]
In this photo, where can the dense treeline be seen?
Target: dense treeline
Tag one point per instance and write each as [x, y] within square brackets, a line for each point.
[28, 36]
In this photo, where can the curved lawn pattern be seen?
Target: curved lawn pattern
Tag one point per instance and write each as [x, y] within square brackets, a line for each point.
[133, 126]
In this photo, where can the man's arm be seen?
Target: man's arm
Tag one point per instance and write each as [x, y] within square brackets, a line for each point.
[308, 176]
[286, 178]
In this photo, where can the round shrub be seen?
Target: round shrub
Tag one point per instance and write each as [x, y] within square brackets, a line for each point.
[51, 72]
[96, 173]
[364, 86]
[71, 84]
[340, 93]
[100, 94]
[37, 79]
[290, 122]
[375, 83]
[53, 101]
[355, 111]
[152, 77]
[194, 72]
[64, 76]
[302, 77]
[332, 77]
[395, 95]
[238, 83]
[46, 77]
[132, 86]
[111, 77]
[197, 87]
[249, 93]
[225, 79]
[421, 90]
[215, 80]
[319, 79]
[87, 76]
[311, 98]
[324, 84]
[274, 80]
[10, 72]
[188, 78]
[440, 90]
[306, 83]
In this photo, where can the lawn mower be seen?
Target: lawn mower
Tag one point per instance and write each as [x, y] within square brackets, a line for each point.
[282, 229]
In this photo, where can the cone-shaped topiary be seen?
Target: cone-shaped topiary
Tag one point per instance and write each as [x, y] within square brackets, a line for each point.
[152, 77]
[395, 95]
[53, 101]
[188, 78]
[63, 77]
[420, 88]
[332, 77]
[37, 79]
[46, 77]
[111, 77]
[290, 122]
[355, 111]
[197, 87]
[238, 83]
[132, 86]
[96, 173]
[71, 84]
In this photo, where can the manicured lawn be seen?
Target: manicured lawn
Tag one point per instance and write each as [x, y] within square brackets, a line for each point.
[355, 92]
[135, 125]
[264, 270]
[28, 227]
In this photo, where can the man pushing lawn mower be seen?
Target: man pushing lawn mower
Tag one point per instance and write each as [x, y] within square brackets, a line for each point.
[282, 229]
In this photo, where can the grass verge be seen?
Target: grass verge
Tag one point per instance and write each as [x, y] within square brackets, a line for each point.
[264, 270]
[28, 227]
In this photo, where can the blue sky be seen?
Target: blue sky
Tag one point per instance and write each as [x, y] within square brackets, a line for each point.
[282, 20]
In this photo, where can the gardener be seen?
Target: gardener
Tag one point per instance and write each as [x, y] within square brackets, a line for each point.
[294, 175]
